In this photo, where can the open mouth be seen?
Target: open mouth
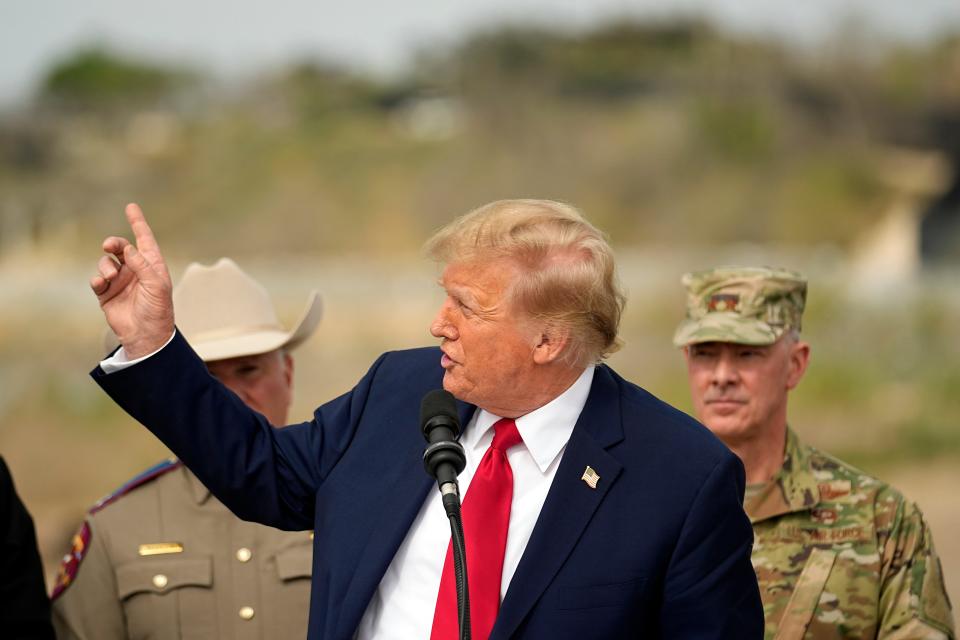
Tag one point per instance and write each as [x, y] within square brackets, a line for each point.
[446, 361]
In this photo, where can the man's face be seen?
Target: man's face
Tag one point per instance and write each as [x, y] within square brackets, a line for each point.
[487, 344]
[264, 382]
[740, 391]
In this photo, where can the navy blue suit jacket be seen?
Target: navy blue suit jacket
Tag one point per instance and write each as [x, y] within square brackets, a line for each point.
[660, 549]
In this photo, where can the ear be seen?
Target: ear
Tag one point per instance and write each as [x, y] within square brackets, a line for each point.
[551, 342]
[799, 359]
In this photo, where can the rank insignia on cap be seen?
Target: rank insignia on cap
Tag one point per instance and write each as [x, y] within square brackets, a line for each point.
[590, 477]
[71, 562]
[723, 302]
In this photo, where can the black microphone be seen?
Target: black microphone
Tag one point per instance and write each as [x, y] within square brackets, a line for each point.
[444, 458]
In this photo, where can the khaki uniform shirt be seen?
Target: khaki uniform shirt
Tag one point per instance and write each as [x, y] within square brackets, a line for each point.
[168, 561]
[839, 554]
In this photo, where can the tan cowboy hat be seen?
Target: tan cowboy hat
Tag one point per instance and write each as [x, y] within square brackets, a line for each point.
[224, 313]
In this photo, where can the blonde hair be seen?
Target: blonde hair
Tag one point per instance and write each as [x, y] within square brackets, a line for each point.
[568, 275]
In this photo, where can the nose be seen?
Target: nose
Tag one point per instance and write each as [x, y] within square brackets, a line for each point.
[725, 372]
[442, 327]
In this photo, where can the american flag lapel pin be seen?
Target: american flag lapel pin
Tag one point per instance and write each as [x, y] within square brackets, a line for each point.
[590, 477]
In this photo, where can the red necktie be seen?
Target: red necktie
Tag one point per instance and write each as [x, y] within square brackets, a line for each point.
[486, 517]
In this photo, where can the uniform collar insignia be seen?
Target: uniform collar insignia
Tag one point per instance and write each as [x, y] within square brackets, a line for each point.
[794, 488]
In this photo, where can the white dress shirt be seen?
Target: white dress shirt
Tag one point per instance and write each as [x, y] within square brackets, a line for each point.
[119, 361]
[403, 605]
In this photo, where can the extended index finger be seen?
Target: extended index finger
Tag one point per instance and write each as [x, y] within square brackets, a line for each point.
[146, 242]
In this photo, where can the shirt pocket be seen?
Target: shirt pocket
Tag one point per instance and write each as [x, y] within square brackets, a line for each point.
[291, 599]
[294, 563]
[168, 597]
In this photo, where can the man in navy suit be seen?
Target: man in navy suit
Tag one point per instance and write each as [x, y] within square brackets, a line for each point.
[597, 510]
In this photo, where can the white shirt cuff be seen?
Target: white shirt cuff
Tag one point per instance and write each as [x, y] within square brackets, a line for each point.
[119, 361]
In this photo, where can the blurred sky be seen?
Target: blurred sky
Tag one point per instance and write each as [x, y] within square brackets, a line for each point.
[233, 38]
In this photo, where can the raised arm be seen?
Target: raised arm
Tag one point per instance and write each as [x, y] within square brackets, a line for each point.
[134, 289]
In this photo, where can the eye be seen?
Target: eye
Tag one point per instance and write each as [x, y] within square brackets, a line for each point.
[461, 306]
[247, 370]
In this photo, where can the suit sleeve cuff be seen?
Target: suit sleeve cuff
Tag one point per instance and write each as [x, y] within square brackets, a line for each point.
[118, 361]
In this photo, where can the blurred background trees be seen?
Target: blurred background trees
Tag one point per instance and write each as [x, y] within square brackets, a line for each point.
[671, 132]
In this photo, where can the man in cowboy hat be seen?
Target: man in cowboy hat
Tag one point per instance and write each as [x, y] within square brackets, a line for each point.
[162, 556]
[837, 553]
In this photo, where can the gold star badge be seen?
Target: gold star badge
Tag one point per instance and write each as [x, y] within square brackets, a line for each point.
[590, 477]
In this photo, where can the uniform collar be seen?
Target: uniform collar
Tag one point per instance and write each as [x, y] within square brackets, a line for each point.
[198, 490]
[545, 431]
[794, 488]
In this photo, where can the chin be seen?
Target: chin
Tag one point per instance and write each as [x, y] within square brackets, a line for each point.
[451, 384]
[734, 436]
[724, 428]
[448, 382]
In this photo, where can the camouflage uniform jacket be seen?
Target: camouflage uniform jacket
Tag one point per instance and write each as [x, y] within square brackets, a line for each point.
[839, 554]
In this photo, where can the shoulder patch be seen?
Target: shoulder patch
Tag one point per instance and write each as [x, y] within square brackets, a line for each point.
[834, 489]
[80, 542]
[150, 474]
[71, 562]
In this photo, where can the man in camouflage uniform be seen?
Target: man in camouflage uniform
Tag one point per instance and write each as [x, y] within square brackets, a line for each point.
[838, 554]
[162, 557]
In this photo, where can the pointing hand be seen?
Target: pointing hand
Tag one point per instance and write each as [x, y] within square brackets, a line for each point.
[134, 289]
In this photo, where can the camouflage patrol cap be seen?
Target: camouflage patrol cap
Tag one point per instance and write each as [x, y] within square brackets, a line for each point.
[745, 305]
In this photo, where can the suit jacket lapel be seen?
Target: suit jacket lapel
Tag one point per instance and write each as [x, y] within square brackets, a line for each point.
[406, 489]
[466, 412]
[570, 503]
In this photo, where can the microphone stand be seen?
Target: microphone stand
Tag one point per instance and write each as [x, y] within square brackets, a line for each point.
[436, 453]
[451, 504]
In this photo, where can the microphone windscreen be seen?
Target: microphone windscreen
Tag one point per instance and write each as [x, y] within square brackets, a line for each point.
[436, 403]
